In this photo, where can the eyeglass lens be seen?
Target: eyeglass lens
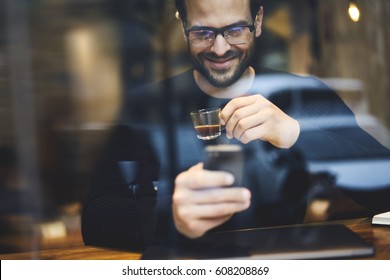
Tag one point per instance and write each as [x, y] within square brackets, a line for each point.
[206, 37]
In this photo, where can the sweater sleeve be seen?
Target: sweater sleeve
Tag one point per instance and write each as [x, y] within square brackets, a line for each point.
[335, 136]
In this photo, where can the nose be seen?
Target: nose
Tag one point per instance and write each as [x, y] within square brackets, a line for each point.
[220, 46]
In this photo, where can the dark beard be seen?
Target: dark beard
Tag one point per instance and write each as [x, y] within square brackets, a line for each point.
[197, 61]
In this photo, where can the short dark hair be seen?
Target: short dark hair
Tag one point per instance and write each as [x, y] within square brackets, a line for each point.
[180, 6]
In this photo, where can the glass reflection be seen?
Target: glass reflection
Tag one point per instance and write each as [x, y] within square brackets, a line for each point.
[68, 67]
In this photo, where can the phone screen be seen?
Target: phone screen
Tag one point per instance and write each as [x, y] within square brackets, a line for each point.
[227, 158]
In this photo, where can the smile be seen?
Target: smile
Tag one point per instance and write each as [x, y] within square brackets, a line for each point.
[220, 63]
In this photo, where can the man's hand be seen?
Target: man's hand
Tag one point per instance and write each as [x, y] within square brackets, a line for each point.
[254, 117]
[202, 200]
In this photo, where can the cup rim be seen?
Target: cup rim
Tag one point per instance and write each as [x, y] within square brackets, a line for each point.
[206, 110]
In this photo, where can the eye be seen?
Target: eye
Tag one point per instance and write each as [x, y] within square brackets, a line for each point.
[235, 31]
[203, 34]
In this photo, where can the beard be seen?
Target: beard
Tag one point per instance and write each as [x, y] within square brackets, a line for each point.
[223, 78]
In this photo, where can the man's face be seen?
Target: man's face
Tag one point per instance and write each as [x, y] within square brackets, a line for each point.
[222, 64]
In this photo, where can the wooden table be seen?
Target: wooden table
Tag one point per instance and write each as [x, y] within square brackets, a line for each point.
[378, 235]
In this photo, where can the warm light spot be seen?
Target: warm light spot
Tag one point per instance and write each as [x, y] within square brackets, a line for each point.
[353, 12]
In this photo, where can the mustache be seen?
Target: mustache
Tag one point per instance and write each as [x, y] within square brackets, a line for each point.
[228, 55]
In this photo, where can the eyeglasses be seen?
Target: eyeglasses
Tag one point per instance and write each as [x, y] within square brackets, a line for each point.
[234, 34]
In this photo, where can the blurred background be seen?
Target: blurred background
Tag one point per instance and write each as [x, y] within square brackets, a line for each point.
[65, 65]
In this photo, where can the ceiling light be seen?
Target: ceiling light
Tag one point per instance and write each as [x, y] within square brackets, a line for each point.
[353, 11]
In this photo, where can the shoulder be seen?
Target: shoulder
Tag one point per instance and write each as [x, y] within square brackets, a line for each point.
[269, 81]
[299, 95]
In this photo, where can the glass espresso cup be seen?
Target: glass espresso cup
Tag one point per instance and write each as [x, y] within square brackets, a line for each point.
[207, 123]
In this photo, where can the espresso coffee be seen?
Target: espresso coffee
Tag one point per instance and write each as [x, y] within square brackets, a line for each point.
[207, 123]
[208, 131]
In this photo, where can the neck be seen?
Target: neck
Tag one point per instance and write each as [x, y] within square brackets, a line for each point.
[237, 89]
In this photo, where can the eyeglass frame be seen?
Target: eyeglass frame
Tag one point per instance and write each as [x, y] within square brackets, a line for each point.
[220, 31]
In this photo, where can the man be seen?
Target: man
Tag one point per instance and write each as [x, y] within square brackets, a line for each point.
[156, 143]
[222, 70]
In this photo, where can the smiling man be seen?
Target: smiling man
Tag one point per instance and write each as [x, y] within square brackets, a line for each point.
[221, 55]
[221, 37]
[221, 40]
[155, 142]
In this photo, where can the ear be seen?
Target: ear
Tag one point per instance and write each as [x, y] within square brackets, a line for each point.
[259, 21]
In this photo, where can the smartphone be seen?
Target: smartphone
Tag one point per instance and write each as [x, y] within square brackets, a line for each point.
[225, 157]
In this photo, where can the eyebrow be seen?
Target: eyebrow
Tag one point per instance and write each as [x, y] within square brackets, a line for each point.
[207, 27]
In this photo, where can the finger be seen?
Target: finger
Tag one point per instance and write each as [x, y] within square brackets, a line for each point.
[197, 166]
[196, 228]
[201, 178]
[212, 211]
[221, 195]
[187, 215]
[254, 133]
[239, 118]
[279, 134]
[256, 122]
[235, 104]
[203, 225]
